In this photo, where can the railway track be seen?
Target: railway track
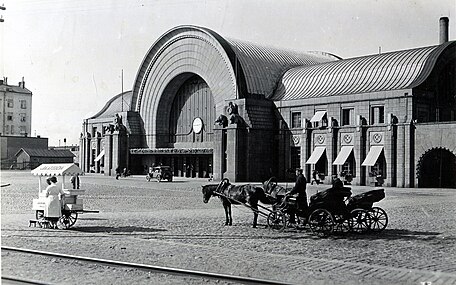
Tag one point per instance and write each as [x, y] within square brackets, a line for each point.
[145, 267]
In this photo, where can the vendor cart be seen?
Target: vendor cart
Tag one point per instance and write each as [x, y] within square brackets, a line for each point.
[71, 204]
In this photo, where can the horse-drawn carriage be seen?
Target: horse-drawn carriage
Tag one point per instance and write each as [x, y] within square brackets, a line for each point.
[330, 210]
[70, 203]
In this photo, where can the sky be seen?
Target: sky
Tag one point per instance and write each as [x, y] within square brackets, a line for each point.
[72, 53]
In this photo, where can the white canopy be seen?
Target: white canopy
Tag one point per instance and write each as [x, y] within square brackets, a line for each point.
[343, 155]
[318, 116]
[102, 153]
[316, 154]
[373, 155]
[57, 169]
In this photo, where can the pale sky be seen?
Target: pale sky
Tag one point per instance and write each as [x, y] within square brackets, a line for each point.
[71, 52]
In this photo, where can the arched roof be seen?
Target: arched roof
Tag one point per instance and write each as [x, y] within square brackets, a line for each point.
[388, 71]
[115, 105]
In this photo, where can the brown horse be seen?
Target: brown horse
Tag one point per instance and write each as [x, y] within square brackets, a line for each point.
[247, 194]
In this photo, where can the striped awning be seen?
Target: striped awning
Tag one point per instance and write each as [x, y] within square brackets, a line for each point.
[343, 155]
[316, 154]
[373, 155]
[57, 169]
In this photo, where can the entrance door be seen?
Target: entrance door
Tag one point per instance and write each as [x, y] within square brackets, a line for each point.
[437, 169]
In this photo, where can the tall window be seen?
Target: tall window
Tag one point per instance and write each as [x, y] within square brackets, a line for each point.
[23, 104]
[377, 115]
[347, 117]
[9, 116]
[295, 157]
[9, 103]
[12, 130]
[295, 120]
[22, 116]
[22, 130]
[7, 127]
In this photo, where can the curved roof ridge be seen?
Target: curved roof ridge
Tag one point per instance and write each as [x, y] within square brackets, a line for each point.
[114, 105]
[372, 73]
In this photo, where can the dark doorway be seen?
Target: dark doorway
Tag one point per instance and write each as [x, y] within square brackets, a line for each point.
[437, 169]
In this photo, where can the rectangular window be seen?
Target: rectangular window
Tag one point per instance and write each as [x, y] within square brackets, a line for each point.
[9, 103]
[12, 130]
[23, 104]
[22, 130]
[22, 116]
[377, 115]
[295, 120]
[9, 116]
[437, 114]
[295, 157]
[7, 129]
[348, 117]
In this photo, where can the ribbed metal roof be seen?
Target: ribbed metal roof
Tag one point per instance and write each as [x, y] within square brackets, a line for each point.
[114, 105]
[388, 71]
[264, 66]
[46, 152]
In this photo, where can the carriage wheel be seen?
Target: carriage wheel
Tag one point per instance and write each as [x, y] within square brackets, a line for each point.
[342, 224]
[379, 219]
[360, 220]
[159, 178]
[277, 220]
[148, 178]
[68, 219]
[39, 214]
[321, 222]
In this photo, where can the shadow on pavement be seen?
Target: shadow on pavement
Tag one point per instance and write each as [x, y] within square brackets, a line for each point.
[127, 229]
[397, 234]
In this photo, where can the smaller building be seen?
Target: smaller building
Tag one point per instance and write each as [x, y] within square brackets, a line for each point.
[10, 145]
[16, 109]
[31, 158]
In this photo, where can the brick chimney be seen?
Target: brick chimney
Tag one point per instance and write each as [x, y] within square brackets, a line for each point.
[444, 29]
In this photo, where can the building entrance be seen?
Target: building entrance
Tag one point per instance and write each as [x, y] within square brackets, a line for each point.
[437, 169]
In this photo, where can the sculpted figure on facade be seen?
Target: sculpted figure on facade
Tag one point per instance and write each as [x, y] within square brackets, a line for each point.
[222, 121]
[232, 110]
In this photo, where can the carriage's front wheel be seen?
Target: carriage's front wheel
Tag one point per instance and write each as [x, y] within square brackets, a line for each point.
[277, 220]
[379, 219]
[321, 222]
[68, 219]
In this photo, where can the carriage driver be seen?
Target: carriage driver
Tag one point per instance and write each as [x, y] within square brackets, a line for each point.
[300, 190]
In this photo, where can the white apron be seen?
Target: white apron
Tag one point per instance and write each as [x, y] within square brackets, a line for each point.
[53, 207]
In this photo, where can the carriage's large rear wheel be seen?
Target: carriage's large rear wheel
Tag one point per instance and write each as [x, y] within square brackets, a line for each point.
[360, 220]
[68, 219]
[342, 223]
[379, 219]
[321, 222]
[277, 220]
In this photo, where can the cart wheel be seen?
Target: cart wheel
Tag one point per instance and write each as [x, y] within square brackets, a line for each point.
[321, 222]
[68, 219]
[277, 220]
[379, 219]
[342, 224]
[39, 215]
[360, 220]
[159, 178]
[147, 178]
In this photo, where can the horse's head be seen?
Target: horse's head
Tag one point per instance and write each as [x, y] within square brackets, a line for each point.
[208, 191]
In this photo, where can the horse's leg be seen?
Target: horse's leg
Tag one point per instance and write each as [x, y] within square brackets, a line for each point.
[255, 215]
[229, 211]
[227, 214]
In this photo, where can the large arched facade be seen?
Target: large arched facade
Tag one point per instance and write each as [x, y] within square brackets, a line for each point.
[208, 105]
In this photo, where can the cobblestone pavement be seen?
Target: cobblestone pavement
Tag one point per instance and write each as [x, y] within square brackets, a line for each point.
[168, 224]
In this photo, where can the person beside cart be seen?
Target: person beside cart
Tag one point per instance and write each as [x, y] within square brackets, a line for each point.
[53, 206]
[300, 190]
[75, 181]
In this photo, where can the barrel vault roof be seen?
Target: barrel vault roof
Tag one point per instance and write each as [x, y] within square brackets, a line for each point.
[388, 71]
[114, 105]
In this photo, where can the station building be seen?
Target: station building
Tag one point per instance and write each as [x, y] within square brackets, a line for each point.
[207, 106]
